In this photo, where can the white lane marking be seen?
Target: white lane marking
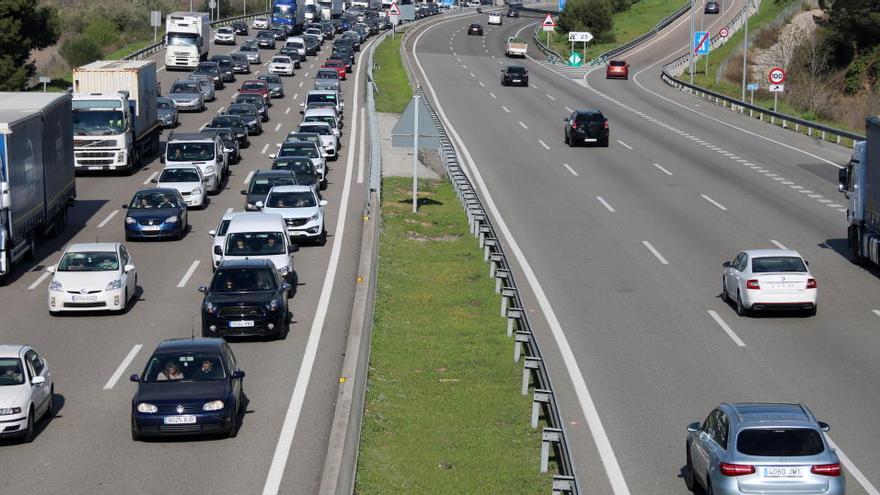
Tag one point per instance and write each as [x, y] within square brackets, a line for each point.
[300, 84]
[570, 169]
[853, 470]
[522, 125]
[492, 95]
[107, 220]
[265, 147]
[481, 84]
[287, 111]
[122, 367]
[569, 110]
[833, 205]
[220, 110]
[277, 127]
[472, 74]
[551, 97]
[291, 417]
[505, 108]
[151, 177]
[778, 244]
[532, 85]
[247, 179]
[730, 333]
[716, 203]
[585, 399]
[160, 69]
[306, 74]
[188, 274]
[295, 96]
[667, 172]
[363, 145]
[656, 253]
[876, 312]
[203, 126]
[605, 204]
[464, 66]
[38, 281]
[544, 145]
[624, 144]
[229, 210]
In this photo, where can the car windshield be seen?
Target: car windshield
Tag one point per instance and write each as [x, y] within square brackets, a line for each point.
[306, 149]
[11, 372]
[299, 166]
[249, 99]
[205, 69]
[152, 199]
[617, 63]
[225, 134]
[516, 70]
[321, 98]
[262, 185]
[98, 122]
[317, 129]
[333, 63]
[225, 30]
[165, 104]
[327, 74]
[280, 60]
[589, 117]
[224, 62]
[244, 279]
[780, 442]
[179, 175]
[291, 200]
[189, 152]
[254, 86]
[184, 366]
[226, 121]
[248, 48]
[185, 87]
[240, 59]
[182, 39]
[778, 264]
[255, 243]
[265, 34]
[89, 261]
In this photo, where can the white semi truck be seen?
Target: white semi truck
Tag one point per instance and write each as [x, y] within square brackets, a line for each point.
[331, 9]
[860, 182]
[186, 39]
[37, 182]
[115, 120]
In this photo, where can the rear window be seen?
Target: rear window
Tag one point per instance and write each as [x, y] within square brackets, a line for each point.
[769, 264]
[590, 117]
[780, 442]
[617, 63]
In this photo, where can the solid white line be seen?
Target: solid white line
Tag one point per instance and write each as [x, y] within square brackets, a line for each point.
[151, 177]
[716, 203]
[122, 367]
[247, 179]
[287, 111]
[306, 74]
[277, 127]
[265, 147]
[472, 74]
[160, 69]
[778, 244]
[667, 172]
[481, 84]
[363, 145]
[220, 110]
[188, 274]
[291, 418]
[656, 253]
[229, 210]
[38, 281]
[585, 399]
[853, 470]
[570, 169]
[569, 110]
[876, 312]
[544, 145]
[523, 125]
[107, 220]
[730, 333]
[505, 108]
[605, 204]
[624, 144]
[534, 86]
[551, 97]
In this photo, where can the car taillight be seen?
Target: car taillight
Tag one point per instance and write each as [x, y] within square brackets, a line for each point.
[826, 469]
[811, 283]
[574, 125]
[736, 469]
[605, 124]
[753, 284]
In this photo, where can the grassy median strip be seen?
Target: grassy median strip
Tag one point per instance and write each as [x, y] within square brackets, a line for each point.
[444, 412]
[390, 77]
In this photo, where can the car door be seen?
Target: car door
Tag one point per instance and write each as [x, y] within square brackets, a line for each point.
[716, 443]
[232, 364]
[700, 449]
[130, 277]
[739, 274]
[730, 275]
[184, 215]
[40, 393]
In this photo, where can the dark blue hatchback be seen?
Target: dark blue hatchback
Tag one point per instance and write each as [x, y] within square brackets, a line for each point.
[156, 213]
[189, 387]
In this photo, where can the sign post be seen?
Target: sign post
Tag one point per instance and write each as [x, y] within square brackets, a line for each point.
[700, 47]
[579, 36]
[45, 80]
[777, 77]
[415, 184]
[155, 22]
[752, 87]
[549, 25]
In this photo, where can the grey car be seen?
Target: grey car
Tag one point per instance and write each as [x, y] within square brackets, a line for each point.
[252, 53]
[226, 68]
[240, 63]
[255, 100]
[265, 39]
[167, 111]
[276, 87]
[187, 95]
[762, 448]
[327, 79]
[206, 85]
[249, 115]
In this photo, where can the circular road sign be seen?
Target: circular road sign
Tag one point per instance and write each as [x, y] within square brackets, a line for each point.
[723, 32]
[776, 75]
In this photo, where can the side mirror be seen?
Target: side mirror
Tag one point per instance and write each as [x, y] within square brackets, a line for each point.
[128, 268]
[323, 202]
[286, 286]
[259, 204]
[726, 264]
[293, 248]
[273, 156]
[124, 206]
[694, 427]
[824, 426]
[218, 250]
[203, 289]
[842, 180]
[204, 179]
[134, 378]
[806, 262]
[162, 159]
[244, 192]
[238, 374]
[336, 132]
[341, 105]
[212, 233]
[38, 380]
[52, 268]
[154, 181]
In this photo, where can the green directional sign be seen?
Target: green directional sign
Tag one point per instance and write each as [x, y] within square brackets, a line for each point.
[575, 60]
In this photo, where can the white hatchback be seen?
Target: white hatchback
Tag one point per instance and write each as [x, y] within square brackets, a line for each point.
[261, 23]
[762, 279]
[281, 65]
[187, 179]
[92, 277]
[26, 391]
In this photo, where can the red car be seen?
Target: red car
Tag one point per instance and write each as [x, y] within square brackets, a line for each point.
[256, 87]
[617, 69]
[339, 65]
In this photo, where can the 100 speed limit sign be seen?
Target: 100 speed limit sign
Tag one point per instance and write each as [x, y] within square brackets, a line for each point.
[776, 75]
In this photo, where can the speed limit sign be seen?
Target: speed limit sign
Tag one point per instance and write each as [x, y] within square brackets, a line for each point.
[776, 75]
[723, 32]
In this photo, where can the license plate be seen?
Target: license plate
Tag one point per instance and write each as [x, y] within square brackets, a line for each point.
[151, 228]
[784, 285]
[589, 140]
[517, 80]
[94, 168]
[241, 323]
[187, 419]
[84, 298]
[783, 472]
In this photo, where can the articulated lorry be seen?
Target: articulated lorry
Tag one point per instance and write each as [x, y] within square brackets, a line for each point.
[115, 120]
[290, 14]
[330, 9]
[37, 182]
[186, 39]
[860, 181]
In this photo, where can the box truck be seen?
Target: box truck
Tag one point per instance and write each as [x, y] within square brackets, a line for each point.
[37, 182]
[290, 14]
[186, 39]
[860, 182]
[115, 121]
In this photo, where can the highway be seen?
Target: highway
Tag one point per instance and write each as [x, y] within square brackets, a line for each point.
[618, 252]
[290, 384]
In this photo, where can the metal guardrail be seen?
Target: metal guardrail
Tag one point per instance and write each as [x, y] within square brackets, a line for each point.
[535, 375]
[159, 46]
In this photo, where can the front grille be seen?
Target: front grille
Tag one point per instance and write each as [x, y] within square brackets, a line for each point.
[105, 143]
[192, 408]
[235, 312]
[77, 292]
[95, 154]
[150, 221]
[296, 222]
[99, 304]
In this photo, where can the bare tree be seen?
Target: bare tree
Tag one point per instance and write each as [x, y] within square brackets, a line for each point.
[810, 84]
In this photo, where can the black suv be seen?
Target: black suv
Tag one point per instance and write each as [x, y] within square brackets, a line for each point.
[211, 69]
[265, 39]
[262, 182]
[236, 124]
[475, 30]
[240, 27]
[586, 126]
[514, 75]
[246, 297]
[712, 7]
[302, 167]
[225, 64]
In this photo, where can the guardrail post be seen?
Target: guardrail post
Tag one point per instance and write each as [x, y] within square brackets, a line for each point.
[563, 485]
[494, 260]
[500, 275]
[513, 314]
[823, 135]
[484, 230]
[488, 244]
[809, 131]
[548, 436]
[520, 339]
[507, 295]
[784, 124]
[530, 365]
[797, 127]
[540, 401]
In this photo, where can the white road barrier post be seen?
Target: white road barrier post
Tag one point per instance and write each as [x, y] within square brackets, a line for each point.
[415, 180]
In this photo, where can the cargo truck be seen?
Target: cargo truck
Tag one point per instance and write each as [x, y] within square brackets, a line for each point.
[330, 9]
[37, 182]
[516, 47]
[860, 182]
[115, 120]
[186, 39]
[290, 14]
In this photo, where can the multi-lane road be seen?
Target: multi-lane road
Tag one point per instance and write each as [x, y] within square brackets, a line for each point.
[619, 252]
[290, 385]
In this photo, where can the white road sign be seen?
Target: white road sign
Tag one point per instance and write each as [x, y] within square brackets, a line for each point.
[777, 88]
[580, 36]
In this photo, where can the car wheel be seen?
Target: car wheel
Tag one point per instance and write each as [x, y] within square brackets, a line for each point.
[233, 428]
[179, 235]
[124, 305]
[709, 490]
[741, 310]
[50, 411]
[134, 434]
[689, 470]
[29, 431]
[605, 143]
[322, 239]
[724, 296]
[567, 141]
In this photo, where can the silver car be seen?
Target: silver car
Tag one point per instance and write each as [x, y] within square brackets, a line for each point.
[762, 448]
[167, 112]
[187, 95]
[327, 79]
[252, 53]
[206, 85]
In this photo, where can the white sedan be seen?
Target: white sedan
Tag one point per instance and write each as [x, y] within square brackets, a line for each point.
[769, 279]
[261, 23]
[281, 65]
[187, 179]
[224, 36]
[92, 277]
[26, 391]
[494, 20]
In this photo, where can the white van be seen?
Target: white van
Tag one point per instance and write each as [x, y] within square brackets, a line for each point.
[297, 42]
[261, 236]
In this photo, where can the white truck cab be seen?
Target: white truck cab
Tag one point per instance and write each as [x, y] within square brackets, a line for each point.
[203, 150]
[186, 39]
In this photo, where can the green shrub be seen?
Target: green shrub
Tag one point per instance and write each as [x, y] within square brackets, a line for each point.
[80, 50]
[103, 31]
[587, 15]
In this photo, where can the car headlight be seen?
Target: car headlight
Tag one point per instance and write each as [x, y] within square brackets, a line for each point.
[146, 407]
[120, 157]
[209, 170]
[210, 307]
[195, 191]
[114, 285]
[56, 286]
[274, 305]
[130, 220]
[313, 217]
[6, 411]
[171, 219]
[214, 405]
[284, 270]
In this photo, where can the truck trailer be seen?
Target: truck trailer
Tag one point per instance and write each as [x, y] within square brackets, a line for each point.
[186, 39]
[37, 183]
[860, 182]
[290, 14]
[115, 120]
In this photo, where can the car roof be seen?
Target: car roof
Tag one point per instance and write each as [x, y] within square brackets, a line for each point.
[92, 246]
[272, 173]
[317, 123]
[238, 105]
[188, 136]
[287, 189]
[757, 413]
[256, 222]
[280, 56]
[246, 263]
[11, 350]
[181, 166]
[160, 190]
[189, 345]
[323, 92]
[760, 253]
[320, 111]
